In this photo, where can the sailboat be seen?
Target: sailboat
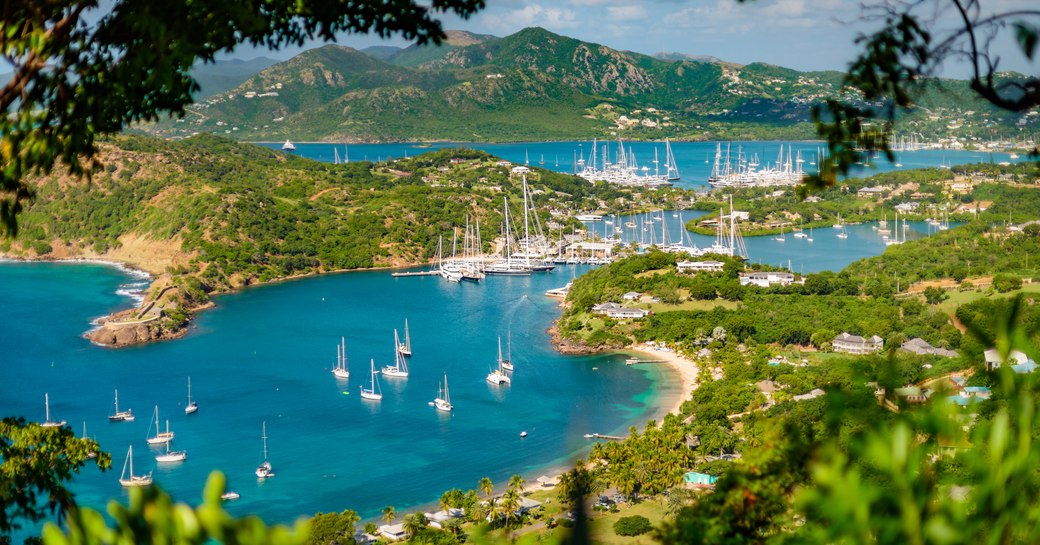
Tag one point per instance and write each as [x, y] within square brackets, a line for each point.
[672, 172]
[121, 416]
[264, 470]
[507, 364]
[48, 423]
[171, 456]
[443, 401]
[844, 233]
[541, 159]
[810, 238]
[780, 237]
[340, 371]
[400, 368]
[801, 232]
[288, 146]
[191, 407]
[498, 376]
[160, 437]
[92, 454]
[372, 392]
[405, 348]
[133, 480]
[839, 224]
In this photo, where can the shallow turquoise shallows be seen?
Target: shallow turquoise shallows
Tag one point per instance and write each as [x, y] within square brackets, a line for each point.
[266, 354]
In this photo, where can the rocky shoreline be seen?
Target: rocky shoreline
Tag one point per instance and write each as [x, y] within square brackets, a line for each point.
[569, 347]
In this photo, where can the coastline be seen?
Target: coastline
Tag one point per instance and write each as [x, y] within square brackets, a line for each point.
[683, 369]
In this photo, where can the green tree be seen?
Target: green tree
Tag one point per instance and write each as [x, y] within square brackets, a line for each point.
[414, 523]
[37, 464]
[486, 486]
[389, 514]
[332, 528]
[152, 517]
[75, 79]
[934, 295]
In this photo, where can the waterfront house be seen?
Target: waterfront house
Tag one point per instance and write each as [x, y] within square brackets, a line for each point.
[440, 518]
[921, 347]
[694, 479]
[699, 266]
[618, 312]
[766, 279]
[854, 344]
[393, 532]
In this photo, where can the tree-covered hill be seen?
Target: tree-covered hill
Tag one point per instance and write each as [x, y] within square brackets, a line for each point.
[537, 85]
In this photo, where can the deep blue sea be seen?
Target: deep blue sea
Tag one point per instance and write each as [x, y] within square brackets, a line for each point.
[694, 159]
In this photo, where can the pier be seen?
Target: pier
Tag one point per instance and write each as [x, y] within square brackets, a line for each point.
[636, 361]
[415, 273]
[607, 437]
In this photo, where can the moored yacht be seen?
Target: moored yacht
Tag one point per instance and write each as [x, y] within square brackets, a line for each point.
[400, 368]
[121, 416]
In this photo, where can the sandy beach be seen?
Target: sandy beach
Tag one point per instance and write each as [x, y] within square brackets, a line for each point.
[684, 367]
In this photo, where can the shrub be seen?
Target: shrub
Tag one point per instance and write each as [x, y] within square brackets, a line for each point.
[632, 526]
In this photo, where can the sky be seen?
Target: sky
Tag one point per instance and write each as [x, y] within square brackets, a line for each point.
[800, 34]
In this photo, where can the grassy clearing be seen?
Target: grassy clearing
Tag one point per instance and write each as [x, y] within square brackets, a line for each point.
[694, 305]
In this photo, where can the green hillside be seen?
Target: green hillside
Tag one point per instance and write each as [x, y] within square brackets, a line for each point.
[537, 85]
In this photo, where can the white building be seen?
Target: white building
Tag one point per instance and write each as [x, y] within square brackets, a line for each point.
[766, 279]
[854, 344]
[618, 312]
[699, 266]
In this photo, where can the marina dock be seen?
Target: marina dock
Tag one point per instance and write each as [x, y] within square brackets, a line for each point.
[414, 273]
[636, 361]
[601, 436]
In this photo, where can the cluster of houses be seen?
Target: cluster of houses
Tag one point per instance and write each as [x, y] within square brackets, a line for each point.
[441, 519]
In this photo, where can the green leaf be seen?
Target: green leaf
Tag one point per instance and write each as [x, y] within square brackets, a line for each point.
[1027, 36]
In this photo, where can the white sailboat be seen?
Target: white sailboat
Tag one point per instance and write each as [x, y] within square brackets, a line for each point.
[780, 237]
[160, 437]
[288, 146]
[498, 376]
[844, 233]
[92, 454]
[405, 348]
[171, 456]
[507, 364]
[48, 423]
[372, 392]
[672, 172]
[443, 401]
[340, 371]
[839, 224]
[264, 470]
[810, 238]
[121, 416]
[133, 480]
[801, 232]
[191, 407]
[400, 368]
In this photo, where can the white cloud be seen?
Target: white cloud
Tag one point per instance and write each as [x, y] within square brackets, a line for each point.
[626, 13]
[529, 15]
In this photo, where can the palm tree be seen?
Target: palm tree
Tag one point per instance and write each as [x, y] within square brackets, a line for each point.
[510, 503]
[516, 482]
[486, 486]
[414, 523]
[389, 514]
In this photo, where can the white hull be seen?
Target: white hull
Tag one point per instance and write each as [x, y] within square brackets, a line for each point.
[390, 371]
[442, 405]
[161, 439]
[341, 373]
[144, 480]
[230, 496]
[367, 394]
[191, 408]
[125, 416]
[498, 377]
[172, 456]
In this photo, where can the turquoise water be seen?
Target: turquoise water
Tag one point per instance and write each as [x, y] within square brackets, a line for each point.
[265, 354]
[694, 159]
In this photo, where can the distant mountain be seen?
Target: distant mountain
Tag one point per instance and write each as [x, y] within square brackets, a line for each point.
[675, 56]
[534, 85]
[226, 75]
[381, 52]
[416, 55]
